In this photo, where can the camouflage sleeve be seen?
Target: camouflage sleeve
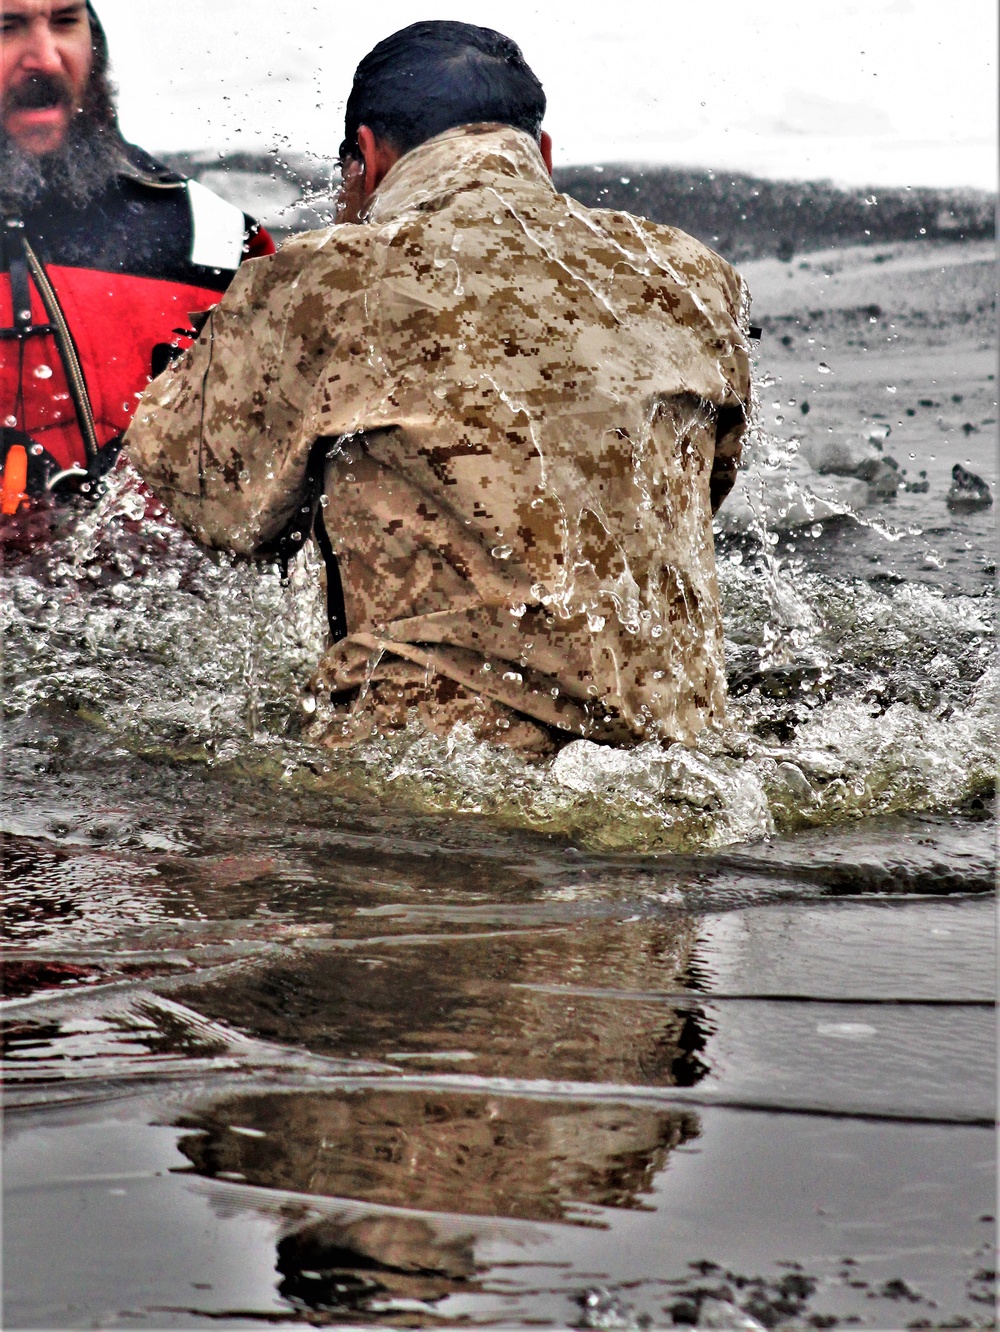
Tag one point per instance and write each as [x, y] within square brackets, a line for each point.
[720, 295]
[733, 419]
[224, 436]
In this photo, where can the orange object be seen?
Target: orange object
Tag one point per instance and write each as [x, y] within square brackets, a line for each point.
[15, 479]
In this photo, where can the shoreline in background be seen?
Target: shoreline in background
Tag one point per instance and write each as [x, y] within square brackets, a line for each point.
[742, 216]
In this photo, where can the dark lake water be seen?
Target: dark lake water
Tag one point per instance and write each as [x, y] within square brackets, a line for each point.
[425, 1035]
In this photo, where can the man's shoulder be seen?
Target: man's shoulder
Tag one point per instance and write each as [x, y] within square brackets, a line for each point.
[332, 264]
[329, 249]
[143, 169]
[669, 244]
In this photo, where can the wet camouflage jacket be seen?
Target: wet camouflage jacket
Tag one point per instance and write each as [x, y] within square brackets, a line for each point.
[525, 411]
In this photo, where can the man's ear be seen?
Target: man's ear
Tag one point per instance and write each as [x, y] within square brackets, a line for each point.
[545, 143]
[378, 158]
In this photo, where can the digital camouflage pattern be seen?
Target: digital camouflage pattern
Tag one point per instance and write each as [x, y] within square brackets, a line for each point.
[526, 412]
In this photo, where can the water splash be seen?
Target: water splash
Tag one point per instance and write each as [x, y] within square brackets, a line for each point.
[847, 698]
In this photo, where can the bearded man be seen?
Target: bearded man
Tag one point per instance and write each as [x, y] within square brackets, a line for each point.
[104, 255]
[512, 418]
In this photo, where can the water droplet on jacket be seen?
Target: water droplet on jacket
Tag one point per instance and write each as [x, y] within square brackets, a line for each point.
[502, 552]
[10, 422]
[657, 631]
[518, 610]
[497, 219]
[514, 676]
[595, 623]
[43, 372]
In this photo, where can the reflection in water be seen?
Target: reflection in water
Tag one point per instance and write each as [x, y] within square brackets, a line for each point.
[344, 1268]
[486, 999]
[483, 1004]
[467, 1154]
[478, 1155]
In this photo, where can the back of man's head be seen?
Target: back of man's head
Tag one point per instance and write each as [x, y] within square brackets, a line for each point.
[433, 76]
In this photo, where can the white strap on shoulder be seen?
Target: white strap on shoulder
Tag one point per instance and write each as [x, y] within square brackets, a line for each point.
[218, 229]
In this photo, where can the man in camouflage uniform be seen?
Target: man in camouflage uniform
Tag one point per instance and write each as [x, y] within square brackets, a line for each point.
[517, 416]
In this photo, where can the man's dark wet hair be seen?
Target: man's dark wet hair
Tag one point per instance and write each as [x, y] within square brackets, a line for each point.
[99, 98]
[435, 75]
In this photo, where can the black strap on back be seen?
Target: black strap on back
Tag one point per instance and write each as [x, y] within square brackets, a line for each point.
[309, 519]
[336, 611]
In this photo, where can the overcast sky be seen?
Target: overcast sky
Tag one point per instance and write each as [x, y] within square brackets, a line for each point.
[866, 92]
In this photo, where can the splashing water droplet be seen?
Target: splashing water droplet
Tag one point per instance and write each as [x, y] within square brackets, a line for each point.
[824, 369]
[502, 552]
[595, 623]
[890, 388]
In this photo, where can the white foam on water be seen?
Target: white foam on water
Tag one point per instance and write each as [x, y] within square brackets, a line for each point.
[890, 699]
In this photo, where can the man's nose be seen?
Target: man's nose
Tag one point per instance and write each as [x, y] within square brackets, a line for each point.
[41, 55]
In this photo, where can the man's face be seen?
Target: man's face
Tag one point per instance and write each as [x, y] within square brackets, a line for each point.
[45, 63]
[351, 195]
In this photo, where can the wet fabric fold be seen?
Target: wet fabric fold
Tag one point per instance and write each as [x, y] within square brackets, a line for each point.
[532, 410]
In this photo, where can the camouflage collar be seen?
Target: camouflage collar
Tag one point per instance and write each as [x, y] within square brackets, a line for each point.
[458, 159]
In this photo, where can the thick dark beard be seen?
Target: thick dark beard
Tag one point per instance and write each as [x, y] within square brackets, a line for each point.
[79, 171]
